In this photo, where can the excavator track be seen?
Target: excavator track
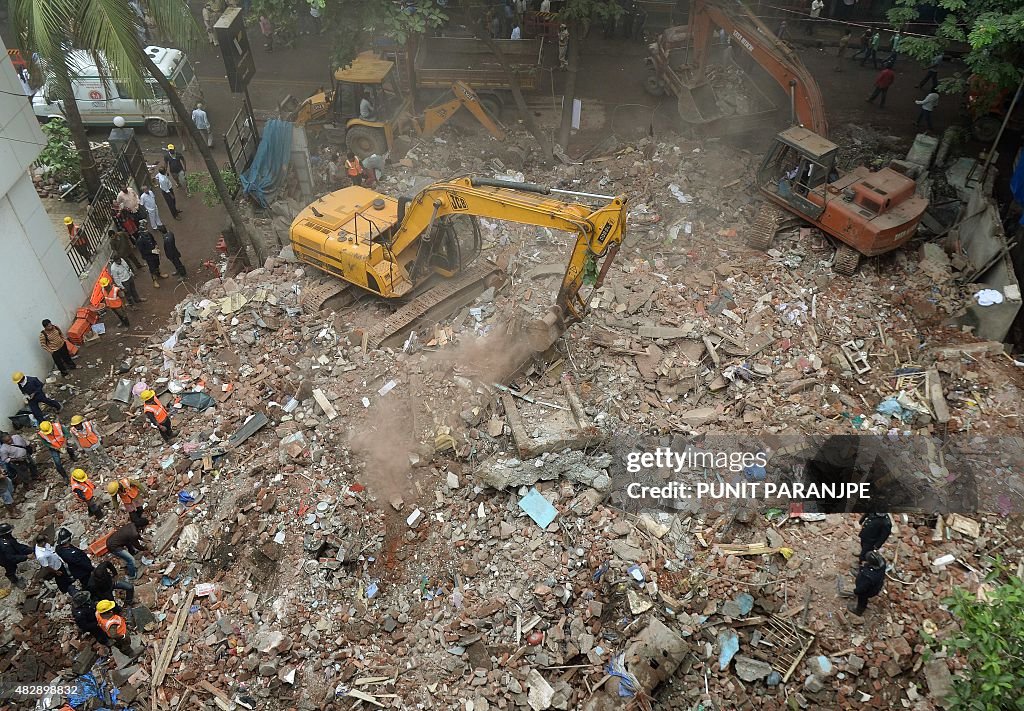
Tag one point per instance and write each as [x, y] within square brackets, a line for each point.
[846, 260]
[767, 223]
[314, 297]
[432, 299]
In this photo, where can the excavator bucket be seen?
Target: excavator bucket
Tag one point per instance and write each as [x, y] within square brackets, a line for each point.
[698, 104]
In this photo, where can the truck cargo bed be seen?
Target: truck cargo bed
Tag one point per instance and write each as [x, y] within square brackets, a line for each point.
[440, 61]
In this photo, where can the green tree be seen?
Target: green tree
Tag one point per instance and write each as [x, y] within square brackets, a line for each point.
[992, 29]
[112, 29]
[59, 156]
[990, 640]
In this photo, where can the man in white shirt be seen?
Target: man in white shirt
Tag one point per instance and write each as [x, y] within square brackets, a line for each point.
[365, 109]
[167, 188]
[47, 558]
[927, 105]
[148, 202]
[545, 5]
[124, 277]
[816, 6]
[202, 122]
[516, 32]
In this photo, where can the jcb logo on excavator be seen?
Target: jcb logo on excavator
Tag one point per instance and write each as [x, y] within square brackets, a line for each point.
[458, 203]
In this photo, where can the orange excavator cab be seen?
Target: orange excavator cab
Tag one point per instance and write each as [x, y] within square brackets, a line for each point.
[867, 212]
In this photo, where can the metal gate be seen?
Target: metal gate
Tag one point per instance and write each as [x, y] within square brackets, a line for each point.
[129, 167]
[241, 141]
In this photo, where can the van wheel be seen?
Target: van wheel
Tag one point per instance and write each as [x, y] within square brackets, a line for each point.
[365, 141]
[157, 127]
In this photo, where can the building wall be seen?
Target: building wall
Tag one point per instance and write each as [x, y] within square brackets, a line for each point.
[38, 281]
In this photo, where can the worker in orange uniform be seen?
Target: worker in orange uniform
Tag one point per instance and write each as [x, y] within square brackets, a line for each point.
[129, 493]
[84, 489]
[354, 169]
[90, 441]
[78, 239]
[113, 300]
[157, 414]
[57, 442]
[109, 619]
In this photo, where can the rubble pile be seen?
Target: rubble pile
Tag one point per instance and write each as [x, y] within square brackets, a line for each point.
[339, 526]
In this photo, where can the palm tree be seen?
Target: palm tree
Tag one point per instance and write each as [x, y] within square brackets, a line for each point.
[111, 28]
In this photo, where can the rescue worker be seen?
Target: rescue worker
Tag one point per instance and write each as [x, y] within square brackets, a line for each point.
[109, 619]
[83, 611]
[16, 451]
[157, 414]
[12, 552]
[874, 531]
[7, 493]
[104, 582]
[113, 300]
[56, 441]
[78, 239]
[85, 489]
[77, 561]
[124, 543]
[354, 169]
[129, 493]
[870, 581]
[32, 390]
[49, 560]
[89, 440]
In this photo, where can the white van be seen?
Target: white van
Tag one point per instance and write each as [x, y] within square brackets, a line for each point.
[101, 97]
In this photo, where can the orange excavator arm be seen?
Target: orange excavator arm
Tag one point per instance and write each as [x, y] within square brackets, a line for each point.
[777, 58]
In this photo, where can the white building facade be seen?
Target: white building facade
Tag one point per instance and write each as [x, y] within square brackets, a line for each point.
[37, 277]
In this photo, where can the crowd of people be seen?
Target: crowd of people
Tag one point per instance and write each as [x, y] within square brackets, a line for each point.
[95, 607]
[94, 588]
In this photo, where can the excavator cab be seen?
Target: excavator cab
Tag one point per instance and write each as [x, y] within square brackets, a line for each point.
[797, 169]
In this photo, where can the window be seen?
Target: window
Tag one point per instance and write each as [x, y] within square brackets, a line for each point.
[184, 76]
[123, 91]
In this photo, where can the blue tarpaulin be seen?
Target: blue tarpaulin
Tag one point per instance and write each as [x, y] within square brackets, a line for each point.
[269, 168]
[1017, 182]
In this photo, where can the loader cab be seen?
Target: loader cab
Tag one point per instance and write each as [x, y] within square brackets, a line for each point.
[375, 79]
[799, 165]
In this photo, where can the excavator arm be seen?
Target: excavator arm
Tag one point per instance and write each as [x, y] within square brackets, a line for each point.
[753, 36]
[598, 232]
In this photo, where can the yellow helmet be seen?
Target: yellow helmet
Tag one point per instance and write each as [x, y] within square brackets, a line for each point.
[104, 281]
[104, 606]
[68, 221]
[45, 427]
[146, 395]
[79, 475]
[77, 420]
[112, 488]
[170, 146]
[17, 376]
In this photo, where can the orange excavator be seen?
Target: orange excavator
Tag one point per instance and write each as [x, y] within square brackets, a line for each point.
[867, 212]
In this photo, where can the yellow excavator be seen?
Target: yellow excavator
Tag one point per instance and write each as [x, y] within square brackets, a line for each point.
[392, 247]
[336, 112]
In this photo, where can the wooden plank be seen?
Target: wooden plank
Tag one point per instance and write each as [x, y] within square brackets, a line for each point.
[935, 396]
[711, 350]
[171, 643]
[323, 402]
[964, 525]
